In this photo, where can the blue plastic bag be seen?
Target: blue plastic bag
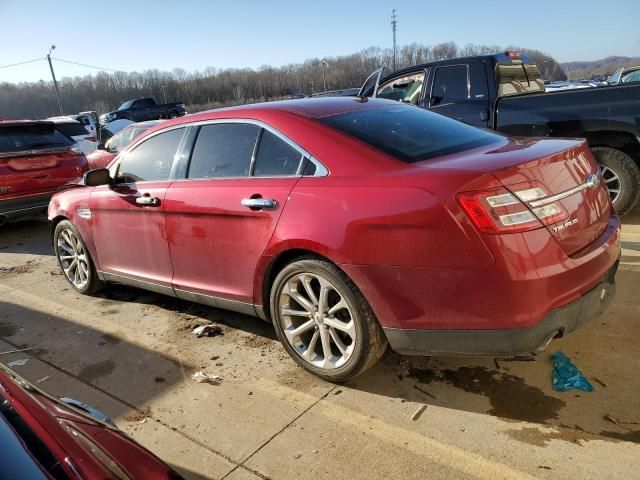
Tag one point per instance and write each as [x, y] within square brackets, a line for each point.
[567, 376]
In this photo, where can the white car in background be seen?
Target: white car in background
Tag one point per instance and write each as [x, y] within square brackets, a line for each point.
[87, 142]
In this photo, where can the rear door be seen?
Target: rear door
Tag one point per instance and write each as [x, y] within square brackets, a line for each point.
[129, 216]
[460, 91]
[222, 216]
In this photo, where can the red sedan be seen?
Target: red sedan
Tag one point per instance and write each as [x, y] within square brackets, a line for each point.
[350, 223]
[43, 437]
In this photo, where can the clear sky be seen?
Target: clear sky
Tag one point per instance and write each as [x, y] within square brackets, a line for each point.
[135, 35]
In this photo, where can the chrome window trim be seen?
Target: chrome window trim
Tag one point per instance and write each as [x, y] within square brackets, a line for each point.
[321, 170]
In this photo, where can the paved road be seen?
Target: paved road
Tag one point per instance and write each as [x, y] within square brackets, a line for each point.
[130, 353]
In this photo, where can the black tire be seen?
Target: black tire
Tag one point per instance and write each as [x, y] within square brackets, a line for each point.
[173, 114]
[628, 173]
[93, 284]
[370, 342]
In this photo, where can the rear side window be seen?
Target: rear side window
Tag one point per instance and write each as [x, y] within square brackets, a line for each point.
[275, 157]
[72, 129]
[450, 85]
[410, 134]
[152, 159]
[223, 150]
[32, 137]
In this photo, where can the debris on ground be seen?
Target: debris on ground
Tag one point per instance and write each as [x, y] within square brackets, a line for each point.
[140, 415]
[597, 380]
[621, 423]
[55, 272]
[207, 331]
[422, 390]
[567, 376]
[43, 379]
[15, 351]
[418, 412]
[202, 377]
[515, 358]
[18, 363]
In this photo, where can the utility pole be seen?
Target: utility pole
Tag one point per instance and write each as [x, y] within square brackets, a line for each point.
[394, 25]
[324, 64]
[55, 82]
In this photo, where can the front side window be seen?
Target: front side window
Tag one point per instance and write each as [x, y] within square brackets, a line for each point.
[152, 160]
[615, 78]
[275, 157]
[631, 77]
[450, 85]
[404, 89]
[223, 150]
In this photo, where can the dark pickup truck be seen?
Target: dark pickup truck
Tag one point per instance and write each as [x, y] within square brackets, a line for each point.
[505, 92]
[144, 109]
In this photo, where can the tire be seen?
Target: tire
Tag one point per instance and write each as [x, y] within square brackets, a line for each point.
[173, 114]
[67, 242]
[353, 324]
[622, 176]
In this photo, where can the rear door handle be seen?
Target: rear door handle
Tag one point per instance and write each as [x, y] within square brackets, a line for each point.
[148, 201]
[259, 203]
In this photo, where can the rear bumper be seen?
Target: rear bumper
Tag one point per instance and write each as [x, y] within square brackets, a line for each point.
[25, 207]
[557, 323]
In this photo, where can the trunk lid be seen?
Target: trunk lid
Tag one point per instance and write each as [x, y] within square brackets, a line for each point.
[548, 172]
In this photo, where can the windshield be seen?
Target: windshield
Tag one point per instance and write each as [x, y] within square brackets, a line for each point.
[126, 105]
[29, 137]
[517, 77]
[410, 134]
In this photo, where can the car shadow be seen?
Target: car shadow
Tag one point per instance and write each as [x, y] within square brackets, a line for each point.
[27, 237]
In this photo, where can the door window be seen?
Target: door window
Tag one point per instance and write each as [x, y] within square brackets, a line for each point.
[450, 85]
[223, 150]
[275, 157]
[152, 160]
[405, 89]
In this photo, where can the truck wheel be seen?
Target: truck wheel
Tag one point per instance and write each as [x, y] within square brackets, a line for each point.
[173, 114]
[323, 321]
[621, 175]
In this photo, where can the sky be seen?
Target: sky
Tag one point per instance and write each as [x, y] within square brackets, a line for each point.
[136, 35]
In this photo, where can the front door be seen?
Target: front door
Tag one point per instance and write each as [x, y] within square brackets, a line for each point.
[221, 218]
[129, 216]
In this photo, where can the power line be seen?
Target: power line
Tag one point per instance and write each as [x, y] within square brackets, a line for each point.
[85, 65]
[22, 63]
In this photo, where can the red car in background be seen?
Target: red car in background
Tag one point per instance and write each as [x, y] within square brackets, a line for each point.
[35, 161]
[105, 153]
[350, 223]
[45, 437]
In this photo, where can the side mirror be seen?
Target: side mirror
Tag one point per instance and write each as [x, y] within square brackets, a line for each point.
[97, 177]
[101, 146]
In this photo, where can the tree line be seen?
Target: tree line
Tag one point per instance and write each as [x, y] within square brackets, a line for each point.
[212, 87]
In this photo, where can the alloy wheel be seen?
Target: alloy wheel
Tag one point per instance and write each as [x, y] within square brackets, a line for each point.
[317, 321]
[73, 258]
[612, 181]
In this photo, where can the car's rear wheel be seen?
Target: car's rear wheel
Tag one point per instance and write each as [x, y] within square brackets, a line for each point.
[621, 175]
[173, 114]
[74, 259]
[324, 322]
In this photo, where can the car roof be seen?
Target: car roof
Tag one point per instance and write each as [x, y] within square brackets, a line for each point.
[147, 124]
[18, 123]
[307, 107]
[63, 119]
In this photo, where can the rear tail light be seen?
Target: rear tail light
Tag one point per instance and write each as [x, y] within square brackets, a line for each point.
[504, 211]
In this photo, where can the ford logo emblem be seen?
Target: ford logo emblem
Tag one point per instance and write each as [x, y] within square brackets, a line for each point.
[593, 181]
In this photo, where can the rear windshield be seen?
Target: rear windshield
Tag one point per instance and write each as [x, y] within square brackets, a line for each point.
[410, 134]
[72, 129]
[31, 137]
[517, 77]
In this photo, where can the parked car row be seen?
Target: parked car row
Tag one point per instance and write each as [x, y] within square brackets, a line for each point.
[350, 224]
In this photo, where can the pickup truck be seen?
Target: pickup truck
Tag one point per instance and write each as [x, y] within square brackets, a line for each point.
[144, 109]
[505, 92]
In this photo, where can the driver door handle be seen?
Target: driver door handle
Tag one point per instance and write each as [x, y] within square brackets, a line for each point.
[148, 200]
[259, 203]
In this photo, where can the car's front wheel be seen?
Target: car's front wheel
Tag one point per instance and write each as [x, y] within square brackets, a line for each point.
[323, 321]
[74, 259]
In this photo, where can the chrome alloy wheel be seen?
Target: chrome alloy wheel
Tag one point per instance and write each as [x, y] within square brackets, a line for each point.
[73, 258]
[612, 181]
[317, 321]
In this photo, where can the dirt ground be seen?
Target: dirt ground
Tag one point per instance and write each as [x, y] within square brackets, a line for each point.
[131, 354]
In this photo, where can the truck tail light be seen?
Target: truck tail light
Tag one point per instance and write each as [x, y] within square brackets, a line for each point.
[505, 211]
[512, 54]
